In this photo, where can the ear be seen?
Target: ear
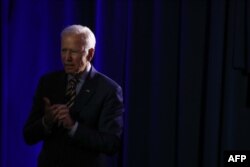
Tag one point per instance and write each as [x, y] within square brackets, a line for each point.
[90, 55]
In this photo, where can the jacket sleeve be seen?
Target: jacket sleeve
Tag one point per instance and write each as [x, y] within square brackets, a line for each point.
[34, 130]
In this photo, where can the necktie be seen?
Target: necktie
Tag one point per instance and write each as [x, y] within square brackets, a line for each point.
[71, 92]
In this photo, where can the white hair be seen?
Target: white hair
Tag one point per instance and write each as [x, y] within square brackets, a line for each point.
[87, 35]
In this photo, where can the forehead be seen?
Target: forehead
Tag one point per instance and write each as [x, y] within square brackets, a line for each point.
[72, 40]
[71, 37]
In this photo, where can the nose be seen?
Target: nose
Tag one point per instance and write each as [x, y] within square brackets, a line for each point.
[67, 55]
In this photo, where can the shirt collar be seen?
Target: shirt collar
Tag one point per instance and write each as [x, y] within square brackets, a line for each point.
[83, 75]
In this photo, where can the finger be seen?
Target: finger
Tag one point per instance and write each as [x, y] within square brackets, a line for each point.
[60, 120]
[56, 115]
[55, 109]
[62, 117]
[60, 114]
[53, 113]
[60, 110]
[47, 101]
[61, 106]
[54, 106]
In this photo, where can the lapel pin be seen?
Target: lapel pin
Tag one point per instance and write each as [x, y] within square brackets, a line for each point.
[87, 90]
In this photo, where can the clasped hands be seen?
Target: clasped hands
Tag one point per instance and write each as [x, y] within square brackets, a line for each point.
[57, 114]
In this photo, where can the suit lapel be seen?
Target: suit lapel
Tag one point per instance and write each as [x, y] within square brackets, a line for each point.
[87, 90]
[62, 87]
[58, 92]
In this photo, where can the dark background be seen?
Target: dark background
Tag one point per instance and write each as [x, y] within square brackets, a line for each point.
[183, 66]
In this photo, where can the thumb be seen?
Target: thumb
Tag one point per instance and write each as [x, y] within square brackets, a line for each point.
[47, 101]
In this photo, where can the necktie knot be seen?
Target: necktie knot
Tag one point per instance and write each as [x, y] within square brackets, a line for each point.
[73, 82]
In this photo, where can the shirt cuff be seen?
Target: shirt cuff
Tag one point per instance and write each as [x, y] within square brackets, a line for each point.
[46, 127]
[73, 129]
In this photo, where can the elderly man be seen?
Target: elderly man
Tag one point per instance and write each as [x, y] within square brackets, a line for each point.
[77, 112]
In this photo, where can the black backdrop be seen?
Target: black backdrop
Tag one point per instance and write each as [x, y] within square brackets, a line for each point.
[183, 66]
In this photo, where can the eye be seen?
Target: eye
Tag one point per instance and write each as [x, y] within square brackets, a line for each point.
[64, 50]
[74, 52]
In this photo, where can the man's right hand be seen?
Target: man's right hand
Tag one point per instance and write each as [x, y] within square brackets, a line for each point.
[50, 111]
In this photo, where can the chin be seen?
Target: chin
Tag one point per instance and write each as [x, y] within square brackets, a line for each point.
[70, 72]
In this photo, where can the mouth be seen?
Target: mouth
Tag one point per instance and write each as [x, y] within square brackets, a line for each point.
[68, 66]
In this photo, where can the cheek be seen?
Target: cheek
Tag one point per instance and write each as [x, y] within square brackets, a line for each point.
[77, 61]
[62, 59]
[82, 61]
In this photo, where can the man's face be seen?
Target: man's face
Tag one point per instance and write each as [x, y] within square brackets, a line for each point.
[74, 57]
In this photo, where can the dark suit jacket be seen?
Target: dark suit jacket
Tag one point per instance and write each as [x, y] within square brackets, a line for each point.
[98, 109]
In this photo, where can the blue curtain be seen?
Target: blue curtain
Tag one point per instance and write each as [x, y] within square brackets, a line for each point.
[183, 65]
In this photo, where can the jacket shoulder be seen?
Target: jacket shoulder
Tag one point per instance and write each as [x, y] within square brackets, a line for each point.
[53, 75]
[107, 81]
